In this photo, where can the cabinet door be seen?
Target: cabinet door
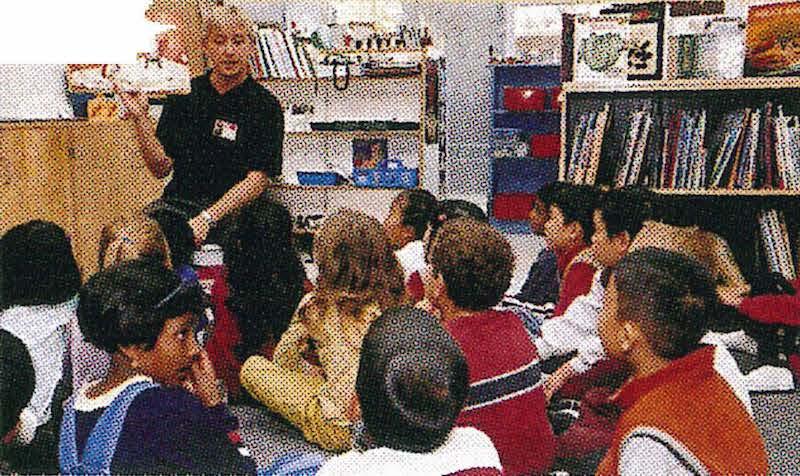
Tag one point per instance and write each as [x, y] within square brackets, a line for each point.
[111, 182]
[34, 175]
[10, 213]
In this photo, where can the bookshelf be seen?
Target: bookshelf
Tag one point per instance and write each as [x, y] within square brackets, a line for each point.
[515, 174]
[343, 105]
[738, 84]
[732, 209]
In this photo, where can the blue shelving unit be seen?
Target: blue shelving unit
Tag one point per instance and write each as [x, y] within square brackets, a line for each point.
[520, 176]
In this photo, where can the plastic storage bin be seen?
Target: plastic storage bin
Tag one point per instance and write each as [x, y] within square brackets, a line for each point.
[318, 178]
[522, 99]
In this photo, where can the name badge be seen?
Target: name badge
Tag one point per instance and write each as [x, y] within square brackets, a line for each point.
[226, 130]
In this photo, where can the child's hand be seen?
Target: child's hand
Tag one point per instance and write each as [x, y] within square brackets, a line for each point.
[202, 382]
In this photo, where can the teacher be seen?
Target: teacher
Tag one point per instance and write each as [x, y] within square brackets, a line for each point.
[222, 143]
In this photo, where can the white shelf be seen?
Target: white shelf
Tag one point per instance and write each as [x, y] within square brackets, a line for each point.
[349, 134]
[682, 85]
[342, 187]
[730, 193]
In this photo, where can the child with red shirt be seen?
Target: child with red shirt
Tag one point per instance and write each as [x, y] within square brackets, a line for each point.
[568, 232]
[686, 409]
[469, 269]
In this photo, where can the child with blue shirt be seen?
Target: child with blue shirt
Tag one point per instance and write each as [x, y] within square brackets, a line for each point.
[158, 409]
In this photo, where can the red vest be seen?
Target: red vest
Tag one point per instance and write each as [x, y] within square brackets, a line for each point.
[693, 404]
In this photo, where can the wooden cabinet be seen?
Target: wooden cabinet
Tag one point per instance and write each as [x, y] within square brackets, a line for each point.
[34, 175]
[78, 174]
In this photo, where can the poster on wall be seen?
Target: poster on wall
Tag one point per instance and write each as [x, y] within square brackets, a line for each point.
[646, 38]
[600, 47]
[773, 40]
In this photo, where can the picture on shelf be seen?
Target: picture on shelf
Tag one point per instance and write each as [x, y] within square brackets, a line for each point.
[646, 37]
[773, 40]
[600, 47]
[370, 153]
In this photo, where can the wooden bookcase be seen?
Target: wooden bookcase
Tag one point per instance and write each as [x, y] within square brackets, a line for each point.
[732, 213]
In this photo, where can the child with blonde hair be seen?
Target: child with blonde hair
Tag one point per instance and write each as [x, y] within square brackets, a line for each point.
[359, 278]
[132, 238]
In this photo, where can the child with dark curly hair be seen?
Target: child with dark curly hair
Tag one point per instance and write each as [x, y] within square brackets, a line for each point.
[159, 408]
[470, 266]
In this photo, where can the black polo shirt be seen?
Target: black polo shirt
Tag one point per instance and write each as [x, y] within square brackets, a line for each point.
[215, 140]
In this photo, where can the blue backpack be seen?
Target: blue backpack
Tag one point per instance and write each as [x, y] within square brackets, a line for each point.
[102, 442]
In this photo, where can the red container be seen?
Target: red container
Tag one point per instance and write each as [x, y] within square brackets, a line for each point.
[512, 206]
[545, 146]
[522, 99]
[555, 104]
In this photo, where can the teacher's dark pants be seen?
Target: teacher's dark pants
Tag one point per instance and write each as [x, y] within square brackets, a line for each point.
[173, 215]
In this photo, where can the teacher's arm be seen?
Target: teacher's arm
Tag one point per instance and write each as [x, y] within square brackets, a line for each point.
[155, 157]
[238, 196]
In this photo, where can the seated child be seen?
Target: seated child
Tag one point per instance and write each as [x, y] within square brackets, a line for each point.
[405, 226]
[447, 210]
[41, 280]
[159, 408]
[124, 240]
[17, 381]
[358, 277]
[541, 285]
[254, 306]
[470, 266]
[617, 220]
[265, 274]
[656, 305]
[568, 232]
[131, 238]
[412, 384]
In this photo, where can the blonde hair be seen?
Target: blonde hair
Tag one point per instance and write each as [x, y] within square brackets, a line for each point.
[225, 16]
[132, 238]
[357, 265]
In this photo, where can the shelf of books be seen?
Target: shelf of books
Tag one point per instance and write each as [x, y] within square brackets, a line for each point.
[700, 107]
[525, 140]
[342, 135]
[727, 159]
[722, 141]
[624, 86]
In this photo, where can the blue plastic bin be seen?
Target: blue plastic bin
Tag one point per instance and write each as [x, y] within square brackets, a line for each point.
[318, 178]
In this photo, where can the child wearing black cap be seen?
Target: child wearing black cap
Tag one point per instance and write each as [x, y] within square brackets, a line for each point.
[412, 383]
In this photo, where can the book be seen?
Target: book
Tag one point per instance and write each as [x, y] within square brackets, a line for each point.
[370, 153]
[597, 145]
[776, 245]
[263, 41]
[772, 36]
[641, 148]
[291, 52]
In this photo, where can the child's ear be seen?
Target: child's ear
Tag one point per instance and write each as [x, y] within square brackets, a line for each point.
[576, 232]
[630, 333]
[135, 354]
[409, 234]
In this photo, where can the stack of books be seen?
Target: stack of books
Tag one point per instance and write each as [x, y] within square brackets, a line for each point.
[775, 239]
[282, 55]
[683, 155]
[629, 169]
[757, 149]
[587, 145]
